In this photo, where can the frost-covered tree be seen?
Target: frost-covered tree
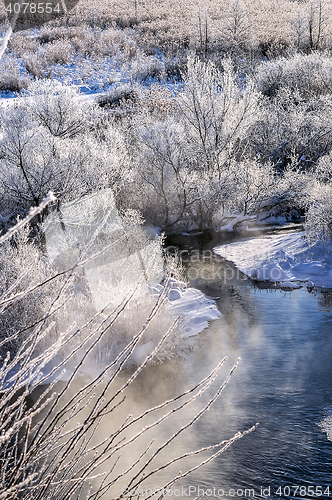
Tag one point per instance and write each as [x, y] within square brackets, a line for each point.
[311, 25]
[204, 30]
[318, 224]
[296, 120]
[56, 144]
[196, 163]
[34, 160]
[237, 28]
[299, 28]
[319, 204]
[58, 108]
[317, 19]
[217, 111]
[165, 170]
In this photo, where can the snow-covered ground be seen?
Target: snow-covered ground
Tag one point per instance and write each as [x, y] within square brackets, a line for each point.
[193, 306]
[96, 76]
[285, 259]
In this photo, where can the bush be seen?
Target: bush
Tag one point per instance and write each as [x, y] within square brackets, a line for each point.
[48, 142]
[10, 75]
[293, 128]
[310, 75]
[22, 267]
[319, 207]
[318, 224]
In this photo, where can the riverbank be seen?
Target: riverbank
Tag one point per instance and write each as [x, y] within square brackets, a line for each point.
[287, 259]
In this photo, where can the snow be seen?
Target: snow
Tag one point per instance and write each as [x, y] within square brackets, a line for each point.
[282, 258]
[195, 309]
[234, 220]
[95, 77]
[326, 423]
[269, 272]
[174, 294]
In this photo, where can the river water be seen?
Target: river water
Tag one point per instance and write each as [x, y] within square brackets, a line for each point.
[284, 382]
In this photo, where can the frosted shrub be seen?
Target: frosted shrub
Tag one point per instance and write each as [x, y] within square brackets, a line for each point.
[184, 166]
[33, 159]
[291, 194]
[112, 42]
[20, 45]
[252, 187]
[54, 140]
[56, 107]
[244, 190]
[319, 215]
[319, 204]
[84, 41]
[156, 101]
[119, 97]
[144, 67]
[59, 51]
[310, 74]
[40, 62]
[237, 28]
[21, 267]
[216, 110]
[163, 171]
[323, 169]
[35, 67]
[71, 170]
[295, 128]
[10, 75]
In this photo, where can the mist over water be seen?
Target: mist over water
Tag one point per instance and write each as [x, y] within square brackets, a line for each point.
[284, 382]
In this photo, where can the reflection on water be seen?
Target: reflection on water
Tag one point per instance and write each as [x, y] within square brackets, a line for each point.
[326, 422]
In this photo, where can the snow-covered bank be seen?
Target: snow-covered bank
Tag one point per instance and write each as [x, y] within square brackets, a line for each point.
[191, 306]
[194, 308]
[281, 258]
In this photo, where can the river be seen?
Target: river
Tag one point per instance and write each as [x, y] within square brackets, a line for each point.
[283, 382]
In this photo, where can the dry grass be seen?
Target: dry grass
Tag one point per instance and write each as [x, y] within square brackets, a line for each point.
[175, 23]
